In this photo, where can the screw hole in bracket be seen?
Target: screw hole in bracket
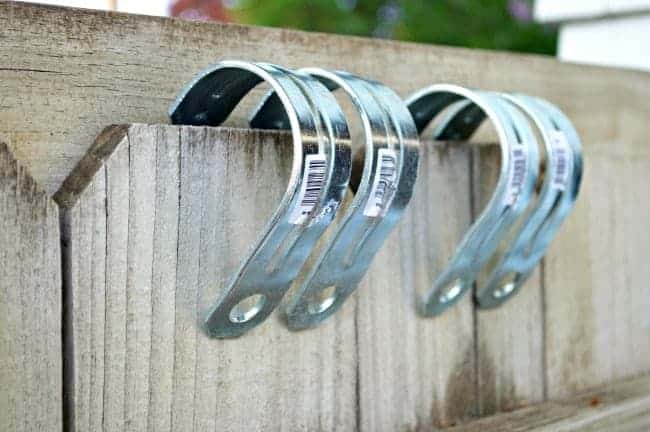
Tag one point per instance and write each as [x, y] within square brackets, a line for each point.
[322, 300]
[247, 308]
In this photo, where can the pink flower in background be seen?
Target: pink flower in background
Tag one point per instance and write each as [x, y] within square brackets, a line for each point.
[199, 10]
[520, 10]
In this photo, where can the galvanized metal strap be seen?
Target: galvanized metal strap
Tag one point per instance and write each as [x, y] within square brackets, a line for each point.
[562, 167]
[319, 177]
[389, 173]
[518, 175]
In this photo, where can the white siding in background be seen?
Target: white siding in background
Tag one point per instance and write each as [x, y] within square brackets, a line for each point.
[557, 10]
[622, 42]
[602, 32]
[144, 7]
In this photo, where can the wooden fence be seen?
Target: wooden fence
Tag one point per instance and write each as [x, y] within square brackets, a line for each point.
[98, 314]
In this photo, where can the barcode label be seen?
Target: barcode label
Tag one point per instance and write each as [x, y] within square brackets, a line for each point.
[313, 182]
[383, 186]
[517, 175]
[560, 148]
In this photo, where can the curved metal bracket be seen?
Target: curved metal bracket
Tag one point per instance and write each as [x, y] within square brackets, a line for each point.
[518, 175]
[555, 199]
[319, 178]
[386, 186]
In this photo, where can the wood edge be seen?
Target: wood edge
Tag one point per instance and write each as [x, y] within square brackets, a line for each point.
[614, 399]
[107, 142]
[83, 173]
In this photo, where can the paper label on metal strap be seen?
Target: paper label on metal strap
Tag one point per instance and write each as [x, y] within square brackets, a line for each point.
[517, 174]
[383, 186]
[313, 182]
[560, 148]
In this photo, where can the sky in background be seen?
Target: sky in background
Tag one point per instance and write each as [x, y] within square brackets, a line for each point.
[148, 7]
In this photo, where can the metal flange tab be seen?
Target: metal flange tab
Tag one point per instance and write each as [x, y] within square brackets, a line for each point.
[387, 181]
[319, 177]
[518, 175]
[556, 196]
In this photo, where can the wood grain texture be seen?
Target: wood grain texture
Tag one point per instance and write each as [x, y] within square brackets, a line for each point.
[66, 74]
[596, 273]
[30, 303]
[154, 233]
[414, 372]
[620, 407]
[158, 218]
[171, 211]
[509, 338]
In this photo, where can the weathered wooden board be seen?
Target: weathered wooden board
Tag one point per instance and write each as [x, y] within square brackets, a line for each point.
[157, 219]
[417, 372]
[66, 74]
[596, 273]
[151, 235]
[509, 338]
[621, 407]
[31, 369]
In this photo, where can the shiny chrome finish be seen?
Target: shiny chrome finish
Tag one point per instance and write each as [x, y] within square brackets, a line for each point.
[389, 173]
[557, 195]
[518, 175]
[319, 178]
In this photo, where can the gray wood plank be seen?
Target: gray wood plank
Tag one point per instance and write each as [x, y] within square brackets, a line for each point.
[31, 370]
[141, 223]
[596, 272]
[416, 373]
[161, 367]
[509, 338]
[375, 366]
[188, 223]
[61, 87]
[182, 207]
[116, 173]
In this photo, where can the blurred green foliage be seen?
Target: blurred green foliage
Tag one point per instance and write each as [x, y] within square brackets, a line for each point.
[490, 24]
